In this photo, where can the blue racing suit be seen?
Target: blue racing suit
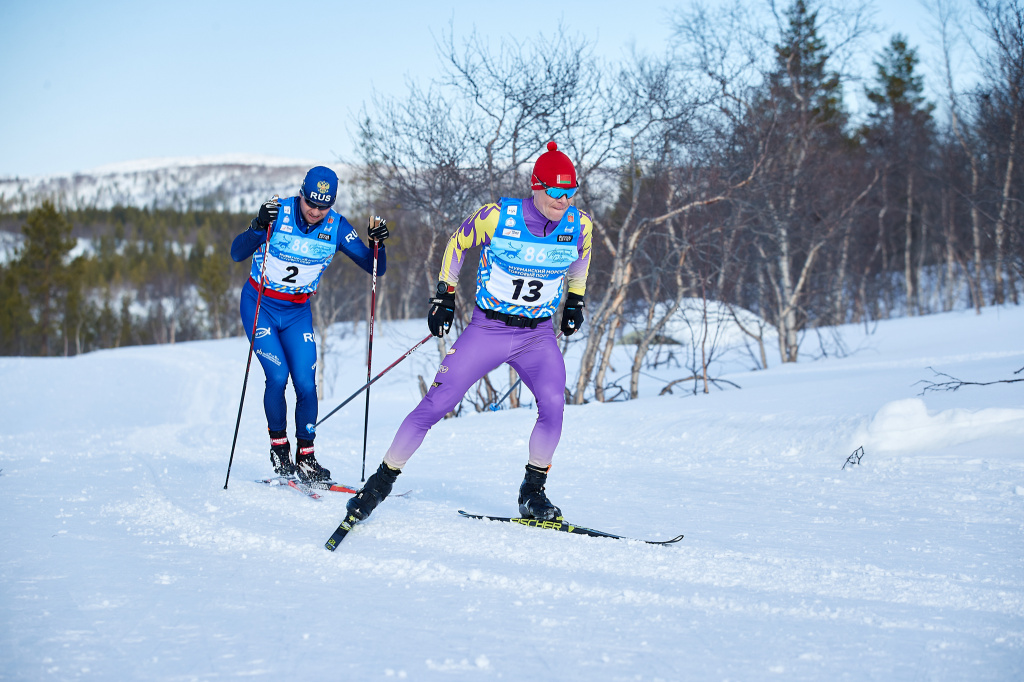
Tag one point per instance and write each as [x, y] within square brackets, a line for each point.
[296, 255]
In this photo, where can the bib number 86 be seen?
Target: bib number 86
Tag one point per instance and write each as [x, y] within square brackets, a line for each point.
[535, 255]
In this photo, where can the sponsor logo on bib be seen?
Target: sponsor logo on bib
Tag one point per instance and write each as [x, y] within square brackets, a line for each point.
[510, 233]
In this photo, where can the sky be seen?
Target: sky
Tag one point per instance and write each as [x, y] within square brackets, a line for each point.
[108, 81]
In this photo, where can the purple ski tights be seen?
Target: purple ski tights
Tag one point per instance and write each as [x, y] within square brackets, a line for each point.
[483, 346]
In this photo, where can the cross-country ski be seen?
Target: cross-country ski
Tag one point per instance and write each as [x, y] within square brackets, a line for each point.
[565, 527]
[310, 489]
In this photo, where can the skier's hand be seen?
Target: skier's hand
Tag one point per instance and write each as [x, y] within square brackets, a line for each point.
[377, 229]
[572, 314]
[267, 215]
[442, 310]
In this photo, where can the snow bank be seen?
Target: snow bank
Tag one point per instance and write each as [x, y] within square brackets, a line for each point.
[907, 425]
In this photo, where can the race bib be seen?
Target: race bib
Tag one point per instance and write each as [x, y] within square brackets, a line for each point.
[525, 291]
[292, 274]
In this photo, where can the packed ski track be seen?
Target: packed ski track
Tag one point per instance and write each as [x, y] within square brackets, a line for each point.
[125, 558]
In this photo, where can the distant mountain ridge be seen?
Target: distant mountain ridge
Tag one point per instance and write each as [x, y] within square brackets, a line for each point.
[236, 183]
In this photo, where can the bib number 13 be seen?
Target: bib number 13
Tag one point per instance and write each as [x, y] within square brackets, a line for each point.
[534, 290]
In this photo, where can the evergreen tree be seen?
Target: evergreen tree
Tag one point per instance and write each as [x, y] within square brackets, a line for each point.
[900, 111]
[899, 135]
[213, 284]
[15, 320]
[798, 202]
[44, 275]
[802, 83]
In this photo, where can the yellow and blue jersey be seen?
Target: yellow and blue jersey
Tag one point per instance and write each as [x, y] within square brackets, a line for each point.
[525, 256]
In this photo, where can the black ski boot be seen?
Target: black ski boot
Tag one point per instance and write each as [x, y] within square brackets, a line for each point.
[377, 487]
[533, 503]
[281, 454]
[306, 466]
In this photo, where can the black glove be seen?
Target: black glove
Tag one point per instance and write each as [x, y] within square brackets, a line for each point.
[267, 215]
[377, 229]
[572, 314]
[442, 311]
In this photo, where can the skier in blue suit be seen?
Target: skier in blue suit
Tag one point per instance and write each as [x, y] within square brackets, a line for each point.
[304, 235]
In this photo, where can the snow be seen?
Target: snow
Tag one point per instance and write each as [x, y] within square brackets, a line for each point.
[9, 244]
[124, 557]
[235, 182]
[686, 326]
[161, 163]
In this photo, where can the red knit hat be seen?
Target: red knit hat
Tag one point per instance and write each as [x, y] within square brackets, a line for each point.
[554, 169]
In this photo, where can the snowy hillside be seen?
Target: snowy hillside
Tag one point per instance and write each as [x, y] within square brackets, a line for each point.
[124, 557]
[238, 183]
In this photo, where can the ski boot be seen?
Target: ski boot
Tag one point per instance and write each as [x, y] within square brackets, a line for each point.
[306, 466]
[377, 487]
[533, 503]
[281, 454]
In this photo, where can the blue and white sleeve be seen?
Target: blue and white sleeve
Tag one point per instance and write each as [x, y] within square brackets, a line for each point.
[352, 246]
[246, 244]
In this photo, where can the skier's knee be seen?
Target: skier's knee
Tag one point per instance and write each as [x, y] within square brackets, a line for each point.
[551, 399]
[277, 381]
[304, 389]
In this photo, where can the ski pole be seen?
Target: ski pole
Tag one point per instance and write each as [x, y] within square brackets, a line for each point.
[369, 350]
[374, 379]
[496, 405]
[252, 342]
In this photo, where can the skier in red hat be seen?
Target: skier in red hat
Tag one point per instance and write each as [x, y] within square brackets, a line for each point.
[534, 249]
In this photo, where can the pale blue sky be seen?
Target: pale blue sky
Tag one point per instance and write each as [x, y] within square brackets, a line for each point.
[94, 83]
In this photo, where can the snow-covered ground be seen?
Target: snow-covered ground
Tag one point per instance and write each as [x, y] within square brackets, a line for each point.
[124, 558]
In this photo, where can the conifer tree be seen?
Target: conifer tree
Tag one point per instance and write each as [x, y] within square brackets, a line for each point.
[801, 200]
[898, 93]
[15, 320]
[802, 81]
[213, 284]
[898, 135]
[44, 274]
